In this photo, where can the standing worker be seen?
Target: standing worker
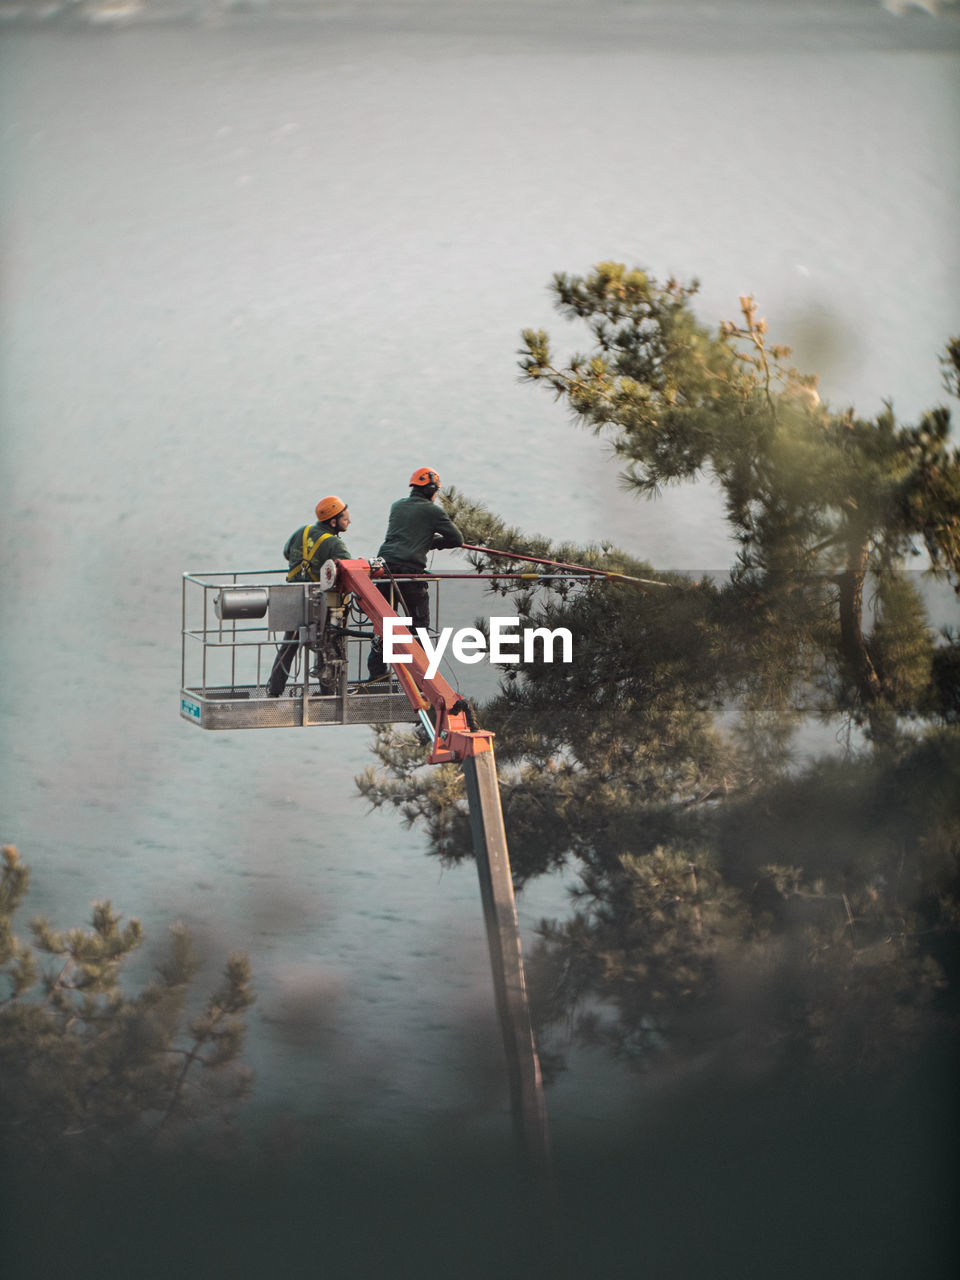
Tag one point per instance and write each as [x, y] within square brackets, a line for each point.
[416, 526]
[305, 551]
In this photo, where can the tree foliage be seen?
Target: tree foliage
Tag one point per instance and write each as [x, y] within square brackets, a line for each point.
[733, 893]
[816, 500]
[86, 1067]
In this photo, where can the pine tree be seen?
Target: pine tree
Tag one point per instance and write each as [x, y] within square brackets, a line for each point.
[86, 1067]
[816, 500]
[730, 894]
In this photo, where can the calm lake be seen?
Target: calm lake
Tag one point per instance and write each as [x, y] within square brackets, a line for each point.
[259, 258]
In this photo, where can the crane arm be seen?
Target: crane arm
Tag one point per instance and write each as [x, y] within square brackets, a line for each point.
[454, 739]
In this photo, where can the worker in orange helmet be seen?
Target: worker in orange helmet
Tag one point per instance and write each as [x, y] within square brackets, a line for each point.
[416, 527]
[305, 551]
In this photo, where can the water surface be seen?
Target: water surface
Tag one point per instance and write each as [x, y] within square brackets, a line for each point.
[255, 262]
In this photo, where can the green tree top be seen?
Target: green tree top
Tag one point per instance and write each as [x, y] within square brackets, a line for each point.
[808, 491]
[805, 487]
[85, 1066]
[727, 890]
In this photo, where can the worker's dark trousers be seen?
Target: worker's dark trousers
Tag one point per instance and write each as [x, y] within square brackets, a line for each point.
[282, 664]
[414, 602]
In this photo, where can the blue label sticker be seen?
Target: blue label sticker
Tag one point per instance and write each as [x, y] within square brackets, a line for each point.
[189, 708]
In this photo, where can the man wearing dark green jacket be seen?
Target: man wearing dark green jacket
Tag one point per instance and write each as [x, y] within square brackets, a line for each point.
[305, 551]
[416, 527]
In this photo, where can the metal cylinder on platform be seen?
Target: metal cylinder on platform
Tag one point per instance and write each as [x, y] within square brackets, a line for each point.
[240, 602]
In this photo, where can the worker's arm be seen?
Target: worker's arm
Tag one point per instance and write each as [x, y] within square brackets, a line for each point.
[291, 548]
[446, 533]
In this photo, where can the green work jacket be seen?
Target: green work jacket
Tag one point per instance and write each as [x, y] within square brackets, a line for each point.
[416, 526]
[332, 548]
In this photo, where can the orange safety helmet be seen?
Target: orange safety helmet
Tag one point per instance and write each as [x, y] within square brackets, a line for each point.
[424, 476]
[327, 508]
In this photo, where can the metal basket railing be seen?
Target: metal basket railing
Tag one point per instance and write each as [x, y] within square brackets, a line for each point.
[232, 626]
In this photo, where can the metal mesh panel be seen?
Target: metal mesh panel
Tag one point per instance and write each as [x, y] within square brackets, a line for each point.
[378, 708]
[250, 708]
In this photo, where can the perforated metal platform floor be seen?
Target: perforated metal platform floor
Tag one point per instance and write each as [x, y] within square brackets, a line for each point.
[250, 707]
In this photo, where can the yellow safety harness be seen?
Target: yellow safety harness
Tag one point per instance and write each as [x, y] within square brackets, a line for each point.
[304, 569]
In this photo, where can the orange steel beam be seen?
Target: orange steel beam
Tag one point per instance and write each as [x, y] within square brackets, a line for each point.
[453, 737]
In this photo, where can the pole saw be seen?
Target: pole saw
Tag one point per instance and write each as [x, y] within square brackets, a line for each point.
[642, 583]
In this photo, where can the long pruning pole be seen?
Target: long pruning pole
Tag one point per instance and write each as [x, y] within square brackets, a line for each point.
[498, 577]
[642, 583]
